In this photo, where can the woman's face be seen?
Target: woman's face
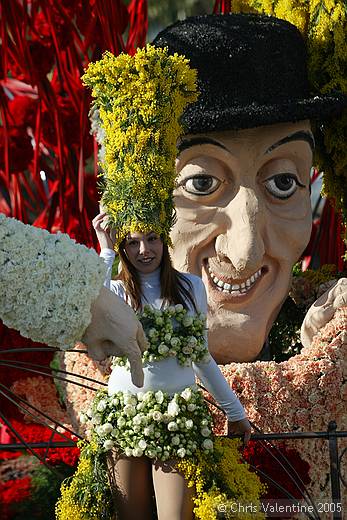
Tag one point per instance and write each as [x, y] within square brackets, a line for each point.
[144, 251]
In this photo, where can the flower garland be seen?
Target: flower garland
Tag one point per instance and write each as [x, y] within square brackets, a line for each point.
[323, 24]
[171, 332]
[140, 99]
[50, 309]
[219, 479]
[135, 423]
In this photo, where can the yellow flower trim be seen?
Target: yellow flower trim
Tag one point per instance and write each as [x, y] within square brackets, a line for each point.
[86, 495]
[221, 479]
[140, 100]
[323, 24]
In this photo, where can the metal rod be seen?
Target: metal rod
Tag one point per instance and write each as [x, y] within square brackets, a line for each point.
[15, 446]
[334, 468]
[40, 372]
[36, 365]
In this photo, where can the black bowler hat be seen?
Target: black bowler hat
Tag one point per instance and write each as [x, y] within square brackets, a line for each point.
[251, 72]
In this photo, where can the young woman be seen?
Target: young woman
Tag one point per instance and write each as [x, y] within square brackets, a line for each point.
[147, 277]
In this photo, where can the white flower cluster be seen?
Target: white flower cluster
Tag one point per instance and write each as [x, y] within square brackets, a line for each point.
[172, 332]
[153, 424]
[48, 283]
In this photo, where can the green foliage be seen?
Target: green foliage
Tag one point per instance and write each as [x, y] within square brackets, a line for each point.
[284, 337]
[44, 494]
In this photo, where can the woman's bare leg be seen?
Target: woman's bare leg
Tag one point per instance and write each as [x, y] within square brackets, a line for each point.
[173, 497]
[132, 489]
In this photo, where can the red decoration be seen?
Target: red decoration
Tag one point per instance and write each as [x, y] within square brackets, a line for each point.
[12, 492]
[47, 164]
[269, 459]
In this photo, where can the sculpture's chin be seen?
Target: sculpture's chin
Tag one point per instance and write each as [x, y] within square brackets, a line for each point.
[230, 343]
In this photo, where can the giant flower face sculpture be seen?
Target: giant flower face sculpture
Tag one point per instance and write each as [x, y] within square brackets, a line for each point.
[243, 219]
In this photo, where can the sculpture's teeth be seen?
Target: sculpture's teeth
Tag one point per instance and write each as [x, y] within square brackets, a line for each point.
[235, 288]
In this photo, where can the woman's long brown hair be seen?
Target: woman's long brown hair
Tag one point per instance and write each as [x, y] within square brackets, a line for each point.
[175, 287]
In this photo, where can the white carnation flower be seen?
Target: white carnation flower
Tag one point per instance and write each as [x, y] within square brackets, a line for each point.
[181, 452]
[187, 321]
[107, 428]
[174, 342]
[137, 452]
[108, 445]
[148, 430]
[191, 407]
[205, 432]
[173, 408]
[129, 410]
[137, 420]
[139, 396]
[99, 430]
[130, 399]
[121, 422]
[102, 405]
[142, 444]
[152, 333]
[186, 394]
[187, 350]
[179, 307]
[157, 416]
[207, 444]
[148, 396]
[128, 452]
[189, 424]
[163, 349]
[175, 440]
[172, 426]
[159, 397]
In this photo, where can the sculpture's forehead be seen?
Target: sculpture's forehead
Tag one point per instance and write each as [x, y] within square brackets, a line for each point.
[262, 137]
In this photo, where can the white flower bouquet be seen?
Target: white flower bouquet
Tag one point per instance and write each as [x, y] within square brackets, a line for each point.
[153, 424]
[172, 332]
[48, 283]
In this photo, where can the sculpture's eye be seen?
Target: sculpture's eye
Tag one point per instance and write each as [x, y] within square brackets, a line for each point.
[283, 185]
[200, 184]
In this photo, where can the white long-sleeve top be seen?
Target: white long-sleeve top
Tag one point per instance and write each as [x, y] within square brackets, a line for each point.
[167, 374]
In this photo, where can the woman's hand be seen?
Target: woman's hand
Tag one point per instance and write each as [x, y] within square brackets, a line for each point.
[101, 230]
[242, 427]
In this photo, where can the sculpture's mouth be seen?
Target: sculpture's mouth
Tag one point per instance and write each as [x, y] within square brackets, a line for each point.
[227, 288]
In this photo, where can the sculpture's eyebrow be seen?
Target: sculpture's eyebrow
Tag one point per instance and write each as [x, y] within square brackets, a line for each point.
[194, 141]
[297, 136]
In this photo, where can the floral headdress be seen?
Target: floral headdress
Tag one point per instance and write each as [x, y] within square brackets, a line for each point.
[140, 100]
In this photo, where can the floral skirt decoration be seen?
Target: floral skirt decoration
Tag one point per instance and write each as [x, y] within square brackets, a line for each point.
[152, 424]
[159, 426]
